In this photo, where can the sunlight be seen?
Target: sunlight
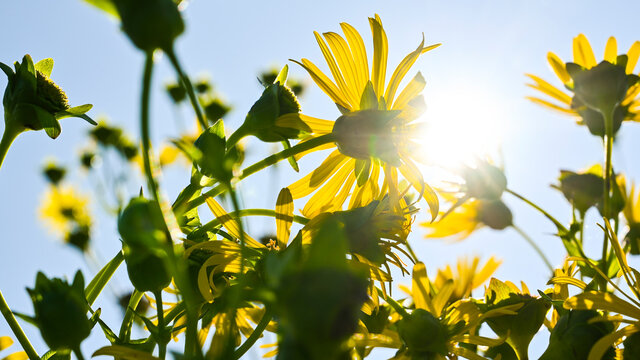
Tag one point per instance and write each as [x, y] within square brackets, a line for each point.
[462, 125]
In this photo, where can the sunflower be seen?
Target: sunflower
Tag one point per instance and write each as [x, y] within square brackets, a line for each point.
[628, 108]
[65, 210]
[373, 135]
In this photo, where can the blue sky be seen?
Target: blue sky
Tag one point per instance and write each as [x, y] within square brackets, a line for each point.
[487, 48]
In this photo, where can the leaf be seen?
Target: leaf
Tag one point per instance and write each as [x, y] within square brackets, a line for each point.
[292, 159]
[80, 109]
[99, 281]
[124, 353]
[105, 5]
[45, 66]
[282, 75]
[7, 70]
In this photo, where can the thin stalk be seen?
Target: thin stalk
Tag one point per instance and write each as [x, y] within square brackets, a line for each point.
[17, 330]
[555, 221]
[535, 246]
[78, 353]
[255, 335]
[144, 125]
[189, 87]
[10, 134]
[606, 204]
[162, 345]
[262, 164]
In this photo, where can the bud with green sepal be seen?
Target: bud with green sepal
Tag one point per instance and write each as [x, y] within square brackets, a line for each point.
[145, 241]
[211, 156]
[32, 101]
[61, 311]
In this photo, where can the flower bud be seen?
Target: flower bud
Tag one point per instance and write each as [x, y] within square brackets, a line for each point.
[61, 311]
[574, 335]
[368, 134]
[144, 241]
[32, 101]
[495, 214]
[150, 24]
[423, 333]
[485, 181]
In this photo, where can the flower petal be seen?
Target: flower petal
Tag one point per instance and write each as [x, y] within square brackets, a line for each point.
[284, 217]
[632, 57]
[347, 92]
[582, 52]
[558, 67]
[401, 71]
[309, 183]
[380, 53]
[359, 53]
[324, 83]
[611, 50]
[549, 89]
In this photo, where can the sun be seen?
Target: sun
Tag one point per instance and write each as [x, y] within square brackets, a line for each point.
[461, 127]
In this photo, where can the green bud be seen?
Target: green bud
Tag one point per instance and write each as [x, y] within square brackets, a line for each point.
[79, 237]
[144, 241]
[485, 181]
[54, 173]
[60, 311]
[215, 109]
[216, 162]
[495, 214]
[574, 335]
[582, 190]
[631, 347]
[32, 101]
[368, 134]
[177, 92]
[602, 87]
[422, 332]
[150, 24]
[87, 158]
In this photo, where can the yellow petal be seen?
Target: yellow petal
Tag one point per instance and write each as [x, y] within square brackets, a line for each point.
[611, 50]
[317, 148]
[401, 71]
[230, 223]
[604, 343]
[20, 355]
[593, 300]
[485, 273]
[343, 55]
[5, 342]
[322, 200]
[380, 53]
[558, 67]
[632, 57]
[420, 288]
[441, 299]
[549, 89]
[318, 126]
[312, 181]
[582, 52]
[561, 280]
[411, 172]
[467, 354]
[324, 83]
[551, 105]
[284, 217]
[413, 89]
[293, 121]
[347, 92]
[359, 54]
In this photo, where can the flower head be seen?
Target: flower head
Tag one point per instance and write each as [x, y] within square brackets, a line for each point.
[32, 101]
[66, 213]
[373, 135]
[608, 86]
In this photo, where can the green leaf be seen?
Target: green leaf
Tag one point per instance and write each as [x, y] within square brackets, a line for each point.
[79, 110]
[45, 66]
[362, 170]
[7, 70]
[105, 5]
[98, 283]
[369, 100]
[291, 159]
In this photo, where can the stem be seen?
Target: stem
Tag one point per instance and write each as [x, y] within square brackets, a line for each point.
[535, 246]
[236, 208]
[189, 87]
[557, 223]
[247, 212]
[125, 328]
[17, 330]
[10, 134]
[606, 204]
[144, 125]
[264, 163]
[255, 335]
[162, 345]
[78, 353]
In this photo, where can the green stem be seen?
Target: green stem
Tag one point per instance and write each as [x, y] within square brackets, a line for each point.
[189, 87]
[255, 335]
[535, 246]
[557, 223]
[606, 204]
[17, 330]
[10, 134]
[247, 212]
[125, 328]
[78, 353]
[162, 344]
[144, 125]
[262, 164]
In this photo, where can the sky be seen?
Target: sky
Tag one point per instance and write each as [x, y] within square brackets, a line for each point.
[475, 86]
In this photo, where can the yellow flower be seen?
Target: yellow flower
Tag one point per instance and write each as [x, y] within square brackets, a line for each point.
[629, 107]
[373, 135]
[468, 217]
[63, 209]
[466, 277]
[6, 342]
